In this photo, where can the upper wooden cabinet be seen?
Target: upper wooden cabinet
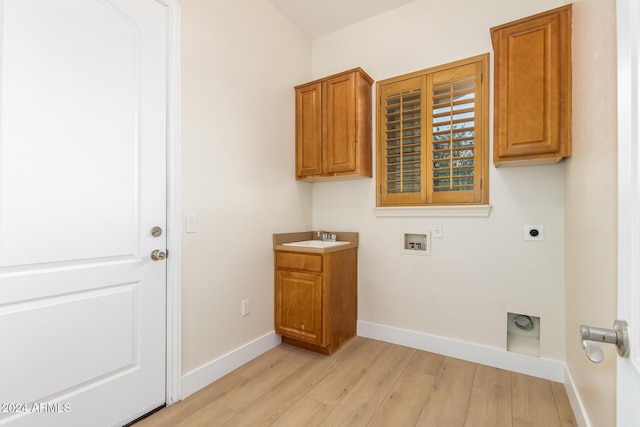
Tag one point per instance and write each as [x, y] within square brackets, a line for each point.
[532, 84]
[333, 127]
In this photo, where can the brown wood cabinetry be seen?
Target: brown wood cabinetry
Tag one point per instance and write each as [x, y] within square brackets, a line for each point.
[532, 89]
[333, 127]
[316, 298]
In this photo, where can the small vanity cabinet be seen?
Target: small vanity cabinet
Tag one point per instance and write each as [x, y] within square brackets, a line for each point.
[532, 89]
[333, 127]
[316, 295]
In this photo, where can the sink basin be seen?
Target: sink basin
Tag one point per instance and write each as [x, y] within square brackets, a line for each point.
[315, 244]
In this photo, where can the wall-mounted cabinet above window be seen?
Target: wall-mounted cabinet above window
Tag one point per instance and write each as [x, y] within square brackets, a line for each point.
[532, 89]
[333, 127]
[432, 143]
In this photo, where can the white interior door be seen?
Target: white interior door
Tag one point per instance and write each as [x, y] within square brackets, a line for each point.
[628, 381]
[82, 183]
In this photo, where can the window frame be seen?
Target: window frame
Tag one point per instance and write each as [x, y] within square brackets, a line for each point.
[480, 196]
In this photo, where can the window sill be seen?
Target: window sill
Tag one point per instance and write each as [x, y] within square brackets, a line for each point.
[478, 211]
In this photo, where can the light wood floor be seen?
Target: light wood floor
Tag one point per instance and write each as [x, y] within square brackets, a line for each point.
[369, 383]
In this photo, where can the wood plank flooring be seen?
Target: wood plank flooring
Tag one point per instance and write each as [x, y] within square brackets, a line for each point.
[369, 383]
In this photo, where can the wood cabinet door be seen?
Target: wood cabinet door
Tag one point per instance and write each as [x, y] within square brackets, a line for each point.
[309, 130]
[340, 124]
[533, 87]
[298, 306]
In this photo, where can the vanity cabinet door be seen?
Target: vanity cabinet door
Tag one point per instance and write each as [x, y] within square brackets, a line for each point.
[298, 305]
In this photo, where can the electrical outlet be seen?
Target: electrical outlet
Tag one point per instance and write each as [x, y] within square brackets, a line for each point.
[533, 232]
[245, 307]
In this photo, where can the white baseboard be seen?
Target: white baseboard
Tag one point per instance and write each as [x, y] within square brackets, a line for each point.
[575, 401]
[204, 375]
[548, 369]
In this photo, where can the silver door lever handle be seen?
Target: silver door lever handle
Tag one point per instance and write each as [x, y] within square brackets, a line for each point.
[619, 336]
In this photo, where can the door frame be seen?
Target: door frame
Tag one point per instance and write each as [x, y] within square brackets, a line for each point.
[627, 382]
[174, 223]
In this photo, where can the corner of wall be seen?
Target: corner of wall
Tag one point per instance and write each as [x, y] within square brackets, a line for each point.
[574, 398]
[204, 375]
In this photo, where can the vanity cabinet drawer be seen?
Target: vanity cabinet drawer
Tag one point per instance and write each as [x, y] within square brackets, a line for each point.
[299, 261]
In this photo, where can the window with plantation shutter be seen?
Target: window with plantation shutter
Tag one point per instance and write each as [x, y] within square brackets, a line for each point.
[433, 136]
[403, 139]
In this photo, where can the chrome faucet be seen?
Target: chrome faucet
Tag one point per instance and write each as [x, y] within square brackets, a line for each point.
[326, 236]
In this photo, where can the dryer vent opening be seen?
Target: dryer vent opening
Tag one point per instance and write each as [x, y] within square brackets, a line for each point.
[523, 334]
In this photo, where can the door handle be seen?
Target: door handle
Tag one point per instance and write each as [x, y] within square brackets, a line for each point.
[619, 336]
[158, 255]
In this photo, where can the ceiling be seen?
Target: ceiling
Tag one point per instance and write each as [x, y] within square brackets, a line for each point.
[319, 17]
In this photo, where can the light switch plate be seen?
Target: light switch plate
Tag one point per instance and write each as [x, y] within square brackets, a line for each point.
[245, 307]
[191, 225]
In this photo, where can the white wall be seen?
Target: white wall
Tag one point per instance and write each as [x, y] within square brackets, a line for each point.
[240, 60]
[591, 204]
[482, 268]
